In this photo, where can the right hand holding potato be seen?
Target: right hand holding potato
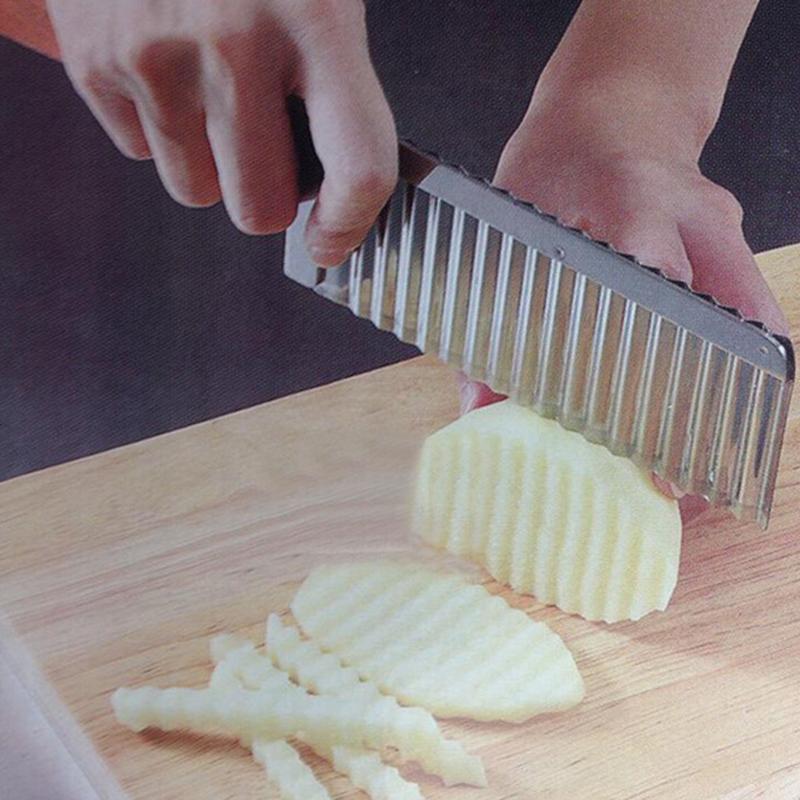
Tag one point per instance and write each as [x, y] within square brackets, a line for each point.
[201, 87]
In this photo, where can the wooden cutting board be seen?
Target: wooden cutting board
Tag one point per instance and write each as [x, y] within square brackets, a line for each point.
[115, 570]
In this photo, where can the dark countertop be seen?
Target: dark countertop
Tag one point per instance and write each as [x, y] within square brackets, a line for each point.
[123, 315]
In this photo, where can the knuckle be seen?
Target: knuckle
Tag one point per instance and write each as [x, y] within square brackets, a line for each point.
[145, 61]
[154, 59]
[330, 12]
[728, 205]
[93, 79]
[165, 73]
[719, 201]
[163, 64]
[369, 184]
[322, 25]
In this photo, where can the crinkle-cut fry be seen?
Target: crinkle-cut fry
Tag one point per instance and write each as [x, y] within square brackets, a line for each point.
[224, 643]
[313, 669]
[294, 779]
[326, 720]
[366, 771]
[434, 640]
[224, 676]
[232, 711]
[244, 667]
[323, 673]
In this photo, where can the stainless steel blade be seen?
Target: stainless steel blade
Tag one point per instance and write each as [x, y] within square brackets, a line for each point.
[571, 328]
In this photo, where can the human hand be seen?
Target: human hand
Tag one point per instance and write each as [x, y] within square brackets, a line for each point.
[201, 88]
[642, 193]
[646, 201]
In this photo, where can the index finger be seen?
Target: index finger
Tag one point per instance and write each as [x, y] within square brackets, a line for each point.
[724, 267]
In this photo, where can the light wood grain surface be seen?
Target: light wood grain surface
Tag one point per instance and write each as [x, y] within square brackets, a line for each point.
[116, 569]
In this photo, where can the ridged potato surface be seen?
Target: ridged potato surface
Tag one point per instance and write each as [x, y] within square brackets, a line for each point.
[367, 772]
[309, 666]
[269, 714]
[549, 513]
[322, 673]
[293, 778]
[432, 639]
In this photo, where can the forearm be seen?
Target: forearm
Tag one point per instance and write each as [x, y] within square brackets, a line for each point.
[27, 22]
[659, 65]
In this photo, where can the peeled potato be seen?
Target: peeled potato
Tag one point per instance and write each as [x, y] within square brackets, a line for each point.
[366, 771]
[419, 737]
[241, 666]
[322, 673]
[322, 721]
[294, 779]
[249, 715]
[223, 644]
[549, 513]
[433, 640]
[310, 667]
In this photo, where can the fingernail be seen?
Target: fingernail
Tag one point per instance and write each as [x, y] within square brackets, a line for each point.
[677, 492]
[468, 396]
[668, 488]
[328, 258]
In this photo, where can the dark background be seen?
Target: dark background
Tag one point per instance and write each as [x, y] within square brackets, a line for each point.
[123, 315]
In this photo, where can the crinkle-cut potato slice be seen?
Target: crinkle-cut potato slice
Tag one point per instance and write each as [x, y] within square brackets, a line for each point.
[323, 673]
[308, 665]
[422, 740]
[267, 714]
[366, 771]
[433, 640]
[239, 665]
[249, 715]
[281, 761]
[294, 779]
[243, 667]
[549, 513]
[222, 644]
[233, 655]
